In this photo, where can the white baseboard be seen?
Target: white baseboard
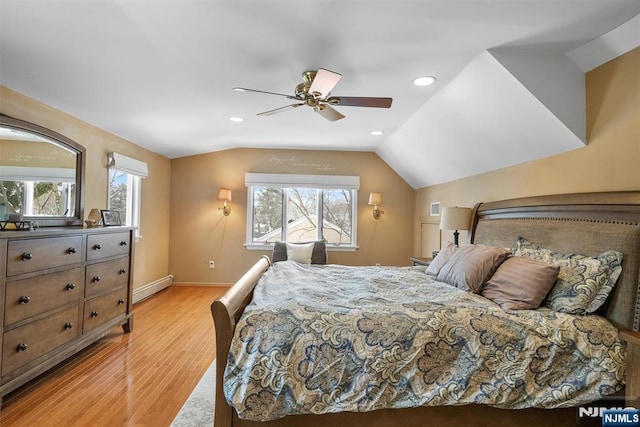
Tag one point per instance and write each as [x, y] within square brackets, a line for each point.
[218, 285]
[151, 288]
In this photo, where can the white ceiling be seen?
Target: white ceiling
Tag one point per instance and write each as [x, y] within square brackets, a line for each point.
[160, 73]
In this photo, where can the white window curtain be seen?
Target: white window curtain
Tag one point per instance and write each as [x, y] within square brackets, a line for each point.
[295, 181]
[129, 165]
[20, 173]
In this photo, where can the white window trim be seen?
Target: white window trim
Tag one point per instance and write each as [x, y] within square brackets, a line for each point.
[136, 170]
[297, 181]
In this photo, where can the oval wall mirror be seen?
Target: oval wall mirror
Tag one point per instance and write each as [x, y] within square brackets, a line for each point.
[41, 175]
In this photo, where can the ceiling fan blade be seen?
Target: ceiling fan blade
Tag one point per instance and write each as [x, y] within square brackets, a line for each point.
[279, 110]
[360, 101]
[244, 89]
[329, 112]
[324, 82]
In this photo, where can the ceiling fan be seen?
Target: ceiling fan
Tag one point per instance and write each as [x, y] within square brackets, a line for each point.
[315, 91]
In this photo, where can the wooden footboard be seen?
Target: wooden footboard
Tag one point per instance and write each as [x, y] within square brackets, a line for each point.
[226, 311]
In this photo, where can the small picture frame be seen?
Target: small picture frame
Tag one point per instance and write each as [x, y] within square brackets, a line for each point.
[110, 217]
[435, 209]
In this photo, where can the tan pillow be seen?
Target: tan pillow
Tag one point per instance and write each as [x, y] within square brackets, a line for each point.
[520, 283]
[441, 259]
[300, 252]
[469, 267]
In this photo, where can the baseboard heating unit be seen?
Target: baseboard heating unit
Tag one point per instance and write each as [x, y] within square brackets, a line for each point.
[152, 288]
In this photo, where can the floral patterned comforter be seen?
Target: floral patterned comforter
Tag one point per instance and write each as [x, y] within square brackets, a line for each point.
[330, 338]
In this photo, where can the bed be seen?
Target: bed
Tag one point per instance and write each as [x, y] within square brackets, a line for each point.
[588, 224]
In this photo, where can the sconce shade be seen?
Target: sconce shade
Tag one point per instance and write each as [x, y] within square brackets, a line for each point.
[455, 218]
[375, 199]
[224, 194]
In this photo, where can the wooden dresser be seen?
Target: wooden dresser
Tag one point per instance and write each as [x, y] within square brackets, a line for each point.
[62, 290]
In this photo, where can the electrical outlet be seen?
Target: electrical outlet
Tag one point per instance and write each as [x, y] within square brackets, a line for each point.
[212, 264]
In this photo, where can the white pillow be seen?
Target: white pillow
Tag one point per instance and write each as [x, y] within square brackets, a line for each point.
[300, 252]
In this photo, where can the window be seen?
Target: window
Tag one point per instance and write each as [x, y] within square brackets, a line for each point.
[301, 208]
[125, 176]
[38, 198]
[38, 191]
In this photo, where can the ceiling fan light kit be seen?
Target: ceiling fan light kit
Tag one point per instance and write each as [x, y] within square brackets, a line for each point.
[314, 92]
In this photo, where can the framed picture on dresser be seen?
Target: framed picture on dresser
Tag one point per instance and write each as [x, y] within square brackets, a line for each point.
[110, 217]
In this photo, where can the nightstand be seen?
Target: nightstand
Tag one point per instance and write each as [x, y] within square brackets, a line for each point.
[420, 261]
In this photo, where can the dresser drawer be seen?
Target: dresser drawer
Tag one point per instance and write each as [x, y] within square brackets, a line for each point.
[106, 276]
[28, 255]
[101, 246]
[36, 295]
[104, 308]
[26, 343]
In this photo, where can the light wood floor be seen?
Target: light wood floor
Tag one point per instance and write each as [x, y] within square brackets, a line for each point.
[136, 379]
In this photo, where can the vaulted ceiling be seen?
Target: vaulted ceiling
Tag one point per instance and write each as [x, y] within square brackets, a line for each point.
[509, 89]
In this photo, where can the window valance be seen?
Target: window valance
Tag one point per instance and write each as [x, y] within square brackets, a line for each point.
[28, 173]
[297, 181]
[127, 164]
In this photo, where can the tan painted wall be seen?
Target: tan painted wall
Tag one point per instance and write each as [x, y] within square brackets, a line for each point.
[199, 232]
[610, 161]
[35, 154]
[152, 251]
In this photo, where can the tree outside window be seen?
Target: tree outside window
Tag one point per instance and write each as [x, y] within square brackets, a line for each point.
[301, 210]
[37, 198]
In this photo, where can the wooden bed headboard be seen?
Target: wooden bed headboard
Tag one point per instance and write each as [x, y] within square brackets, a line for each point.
[587, 224]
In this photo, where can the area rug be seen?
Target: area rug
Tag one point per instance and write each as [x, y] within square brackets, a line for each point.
[197, 411]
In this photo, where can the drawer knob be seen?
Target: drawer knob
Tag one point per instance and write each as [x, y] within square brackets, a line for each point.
[97, 246]
[94, 314]
[68, 325]
[123, 243]
[122, 271]
[26, 256]
[71, 286]
[21, 347]
[120, 301]
[95, 279]
[71, 250]
[24, 299]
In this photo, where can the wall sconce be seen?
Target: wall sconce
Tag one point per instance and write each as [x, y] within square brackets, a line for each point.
[455, 219]
[225, 194]
[375, 199]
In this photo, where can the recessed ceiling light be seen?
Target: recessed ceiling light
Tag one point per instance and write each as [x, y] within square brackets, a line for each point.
[424, 80]
[236, 119]
[377, 132]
